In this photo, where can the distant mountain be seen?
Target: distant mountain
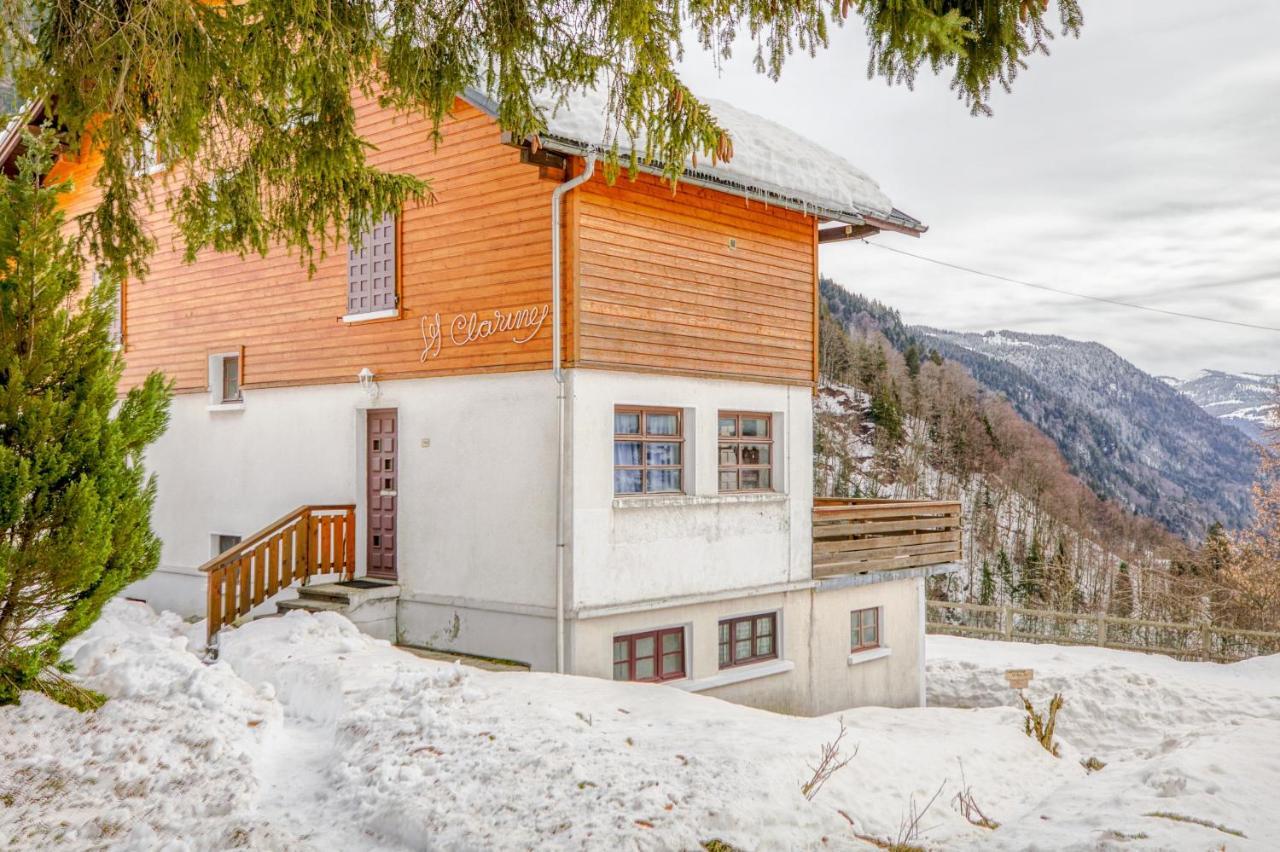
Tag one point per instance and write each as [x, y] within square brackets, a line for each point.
[1130, 436]
[1243, 400]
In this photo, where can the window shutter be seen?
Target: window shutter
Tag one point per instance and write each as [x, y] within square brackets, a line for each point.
[371, 269]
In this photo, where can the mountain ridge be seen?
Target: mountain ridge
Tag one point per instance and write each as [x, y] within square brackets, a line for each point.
[1130, 436]
[1246, 401]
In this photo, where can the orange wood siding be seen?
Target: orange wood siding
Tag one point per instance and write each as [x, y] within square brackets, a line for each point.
[651, 282]
[700, 283]
[484, 245]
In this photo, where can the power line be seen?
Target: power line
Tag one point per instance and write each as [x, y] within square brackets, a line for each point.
[1074, 294]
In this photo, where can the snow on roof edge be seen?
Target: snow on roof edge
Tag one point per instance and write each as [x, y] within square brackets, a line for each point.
[744, 185]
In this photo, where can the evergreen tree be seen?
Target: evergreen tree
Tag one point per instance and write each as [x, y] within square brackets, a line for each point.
[1032, 585]
[987, 585]
[912, 357]
[75, 501]
[257, 99]
[1215, 554]
[936, 357]
[1004, 569]
[886, 413]
[1122, 594]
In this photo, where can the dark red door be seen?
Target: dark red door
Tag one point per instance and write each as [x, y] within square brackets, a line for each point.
[383, 476]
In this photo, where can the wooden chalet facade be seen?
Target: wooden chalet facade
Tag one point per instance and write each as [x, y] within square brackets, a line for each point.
[651, 518]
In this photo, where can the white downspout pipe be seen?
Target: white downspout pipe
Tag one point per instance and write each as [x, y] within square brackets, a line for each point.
[557, 371]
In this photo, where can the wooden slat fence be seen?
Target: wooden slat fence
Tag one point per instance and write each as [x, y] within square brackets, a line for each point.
[309, 541]
[853, 535]
[1019, 624]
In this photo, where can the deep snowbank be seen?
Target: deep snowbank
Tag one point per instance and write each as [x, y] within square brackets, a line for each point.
[309, 735]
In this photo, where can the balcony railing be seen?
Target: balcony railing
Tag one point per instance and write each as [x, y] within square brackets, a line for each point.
[853, 535]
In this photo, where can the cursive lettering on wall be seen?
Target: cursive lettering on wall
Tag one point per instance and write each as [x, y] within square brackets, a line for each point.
[523, 324]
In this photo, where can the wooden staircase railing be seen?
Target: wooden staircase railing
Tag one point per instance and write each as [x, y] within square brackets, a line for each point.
[308, 541]
[854, 535]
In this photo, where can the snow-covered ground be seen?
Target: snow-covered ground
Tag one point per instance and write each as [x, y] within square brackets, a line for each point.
[310, 735]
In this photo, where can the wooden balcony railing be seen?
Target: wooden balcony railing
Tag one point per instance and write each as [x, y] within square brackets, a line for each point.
[858, 535]
[308, 541]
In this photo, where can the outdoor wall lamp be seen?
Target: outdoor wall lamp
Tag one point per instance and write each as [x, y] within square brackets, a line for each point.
[367, 384]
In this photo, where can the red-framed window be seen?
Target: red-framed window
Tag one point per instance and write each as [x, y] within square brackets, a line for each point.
[652, 656]
[750, 639]
[864, 629]
[746, 451]
[648, 451]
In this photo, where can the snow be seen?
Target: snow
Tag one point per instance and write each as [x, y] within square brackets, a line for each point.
[307, 734]
[769, 160]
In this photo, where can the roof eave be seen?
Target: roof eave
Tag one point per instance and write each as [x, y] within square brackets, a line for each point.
[896, 220]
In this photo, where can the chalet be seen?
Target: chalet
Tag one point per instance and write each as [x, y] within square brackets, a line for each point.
[545, 419]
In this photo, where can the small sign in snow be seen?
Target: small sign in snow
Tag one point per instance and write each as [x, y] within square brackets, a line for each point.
[1019, 678]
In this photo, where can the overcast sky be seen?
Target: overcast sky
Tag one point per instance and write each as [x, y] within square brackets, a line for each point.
[1140, 162]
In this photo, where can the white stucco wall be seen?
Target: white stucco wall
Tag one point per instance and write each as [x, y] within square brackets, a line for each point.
[819, 676]
[646, 548]
[476, 514]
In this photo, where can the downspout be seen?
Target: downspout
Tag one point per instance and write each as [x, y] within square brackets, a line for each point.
[557, 371]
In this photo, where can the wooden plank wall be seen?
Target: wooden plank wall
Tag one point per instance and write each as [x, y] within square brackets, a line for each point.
[484, 245]
[702, 283]
[652, 281]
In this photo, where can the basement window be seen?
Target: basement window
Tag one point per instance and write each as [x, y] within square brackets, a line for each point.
[864, 629]
[752, 639]
[649, 657]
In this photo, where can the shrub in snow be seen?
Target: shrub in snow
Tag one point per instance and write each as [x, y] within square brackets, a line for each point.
[75, 502]
[1041, 728]
[829, 763]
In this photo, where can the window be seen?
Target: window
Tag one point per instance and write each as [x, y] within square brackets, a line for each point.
[223, 542]
[231, 379]
[115, 331]
[371, 270]
[746, 451]
[864, 630]
[149, 161]
[226, 378]
[748, 640]
[648, 451]
[653, 656]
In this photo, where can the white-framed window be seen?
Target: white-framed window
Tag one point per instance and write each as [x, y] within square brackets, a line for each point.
[115, 331]
[226, 373]
[149, 163]
[220, 543]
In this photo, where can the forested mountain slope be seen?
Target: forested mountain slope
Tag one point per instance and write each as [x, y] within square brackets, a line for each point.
[916, 425]
[1131, 437]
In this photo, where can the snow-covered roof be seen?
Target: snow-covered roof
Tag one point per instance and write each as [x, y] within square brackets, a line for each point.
[770, 162]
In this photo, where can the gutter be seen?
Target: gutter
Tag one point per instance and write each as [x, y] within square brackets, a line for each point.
[557, 371]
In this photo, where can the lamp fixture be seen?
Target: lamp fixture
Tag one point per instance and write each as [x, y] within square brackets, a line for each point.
[367, 384]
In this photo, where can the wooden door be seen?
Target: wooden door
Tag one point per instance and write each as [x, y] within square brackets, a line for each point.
[383, 477]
